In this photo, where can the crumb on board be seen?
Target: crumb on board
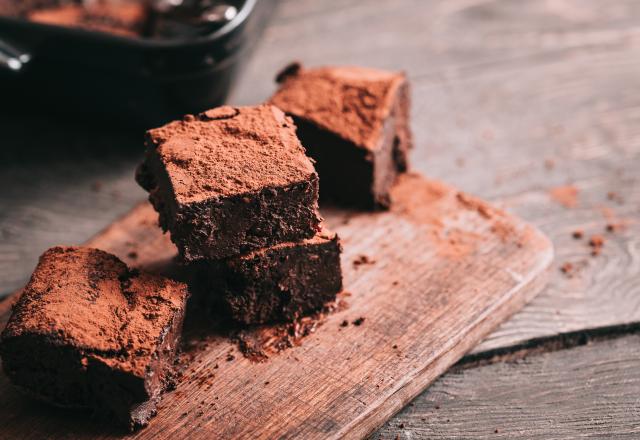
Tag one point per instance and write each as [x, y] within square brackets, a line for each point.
[568, 269]
[577, 234]
[363, 259]
[474, 204]
[358, 321]
[596, 242]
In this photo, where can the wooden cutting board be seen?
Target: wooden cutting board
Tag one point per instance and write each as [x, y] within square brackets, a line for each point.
[431, 278]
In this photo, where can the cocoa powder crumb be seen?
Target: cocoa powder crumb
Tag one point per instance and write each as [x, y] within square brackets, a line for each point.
[577, 234]
[348, 101]
[474, 204]
[568, 269]
[363, 259]
[358, 321]
[230, 357]
[344, 323]
[596, 242]
[615, 227]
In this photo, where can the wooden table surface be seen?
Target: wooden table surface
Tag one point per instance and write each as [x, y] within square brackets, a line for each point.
[534, 105]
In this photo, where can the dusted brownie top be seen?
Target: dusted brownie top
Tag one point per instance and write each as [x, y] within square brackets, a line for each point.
[351, 102]
[230, 151]
[89, 299]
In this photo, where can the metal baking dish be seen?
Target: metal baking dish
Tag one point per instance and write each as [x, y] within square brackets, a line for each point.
[138, 81]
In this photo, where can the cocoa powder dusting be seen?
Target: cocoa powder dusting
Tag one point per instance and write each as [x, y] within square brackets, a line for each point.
[205, 154]
[503, 230]
[429, 203]
[475, 204]
[351, 102]
[457, 243]
[567, 195]
[91, 299]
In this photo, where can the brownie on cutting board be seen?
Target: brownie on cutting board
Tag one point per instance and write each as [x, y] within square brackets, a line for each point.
[273, 284]
[230, 180]
[88, 332]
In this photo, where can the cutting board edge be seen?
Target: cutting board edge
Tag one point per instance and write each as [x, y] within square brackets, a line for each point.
[530, 287]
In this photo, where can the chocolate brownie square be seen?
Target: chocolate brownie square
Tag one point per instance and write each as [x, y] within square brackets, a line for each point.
[354, 122]
[230, 180]
[88, 332]
[273, 284]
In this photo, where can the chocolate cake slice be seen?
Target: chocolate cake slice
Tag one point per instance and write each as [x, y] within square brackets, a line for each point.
[273, 284]
[354, 122]
[230, 180]
[89, 332]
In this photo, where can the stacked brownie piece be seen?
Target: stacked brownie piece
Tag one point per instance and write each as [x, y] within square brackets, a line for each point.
[239, 196]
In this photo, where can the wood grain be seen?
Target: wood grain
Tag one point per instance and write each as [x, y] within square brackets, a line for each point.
[447, 270]
[584, 392]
